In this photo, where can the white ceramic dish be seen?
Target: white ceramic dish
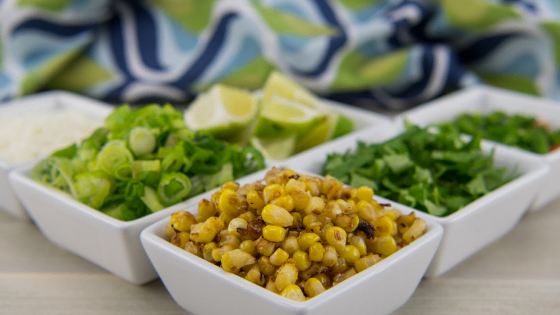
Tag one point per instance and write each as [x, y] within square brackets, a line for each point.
[203, 288]
[48, 101]
[476, 225]
[486, 100]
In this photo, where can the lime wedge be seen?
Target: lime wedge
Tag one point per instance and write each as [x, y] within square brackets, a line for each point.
[281, 117]
[224, 111]
[279, 85]
[334, 126]
[275, 149]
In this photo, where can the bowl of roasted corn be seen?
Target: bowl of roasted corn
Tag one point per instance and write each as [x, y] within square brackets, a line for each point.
[291, 243]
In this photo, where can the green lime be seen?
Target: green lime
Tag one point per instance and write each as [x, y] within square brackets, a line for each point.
[275, 149]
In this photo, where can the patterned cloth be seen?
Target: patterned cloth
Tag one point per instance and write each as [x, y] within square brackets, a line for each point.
[395, 52]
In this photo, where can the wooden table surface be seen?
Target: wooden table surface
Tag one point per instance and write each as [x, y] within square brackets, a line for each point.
[519, 274]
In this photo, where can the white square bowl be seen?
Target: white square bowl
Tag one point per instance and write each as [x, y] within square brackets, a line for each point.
[486, 99]
[204, 288]
[47, 101]
[478, 224]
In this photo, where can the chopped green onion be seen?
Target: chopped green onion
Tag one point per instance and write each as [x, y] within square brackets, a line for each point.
[173, 187]
[141, 141]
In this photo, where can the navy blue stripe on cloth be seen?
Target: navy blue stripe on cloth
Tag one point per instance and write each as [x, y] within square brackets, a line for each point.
[49, 27]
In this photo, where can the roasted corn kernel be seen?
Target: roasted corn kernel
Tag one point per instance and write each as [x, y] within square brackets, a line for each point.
[302, 260]
[249, 247]
[290, 244]
[293, 292]
[279, 257]
[236, 259]
[272, 192]
[274, 233]
[182, 221]
[255, 200]
[286, 276]
[316, 252]
[276, 215]
[306, 240]
[313, 287]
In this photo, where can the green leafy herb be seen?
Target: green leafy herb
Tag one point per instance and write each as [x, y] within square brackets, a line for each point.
[142, 161]
[516, 130]
[433, 171]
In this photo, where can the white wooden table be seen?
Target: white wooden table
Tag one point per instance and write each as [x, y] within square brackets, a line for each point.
[519, 274]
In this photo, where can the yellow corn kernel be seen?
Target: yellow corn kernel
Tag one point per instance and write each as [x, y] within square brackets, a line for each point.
[384, 245]
[365, 193]
[193, 249]
[270, 286]
[236, 224]
[216, 197]
[306, 240]
[254, 200]
[264, 247]
[219, 252]
[236, 259]
[279, 257]
[350, 254]
[230, 185]
[313, 185]
[182, 221]
[180, 239]
[383, 226]
[302, 260]
[247, 216]
[309, 219]
[265, 266]
[332, 209]
[272, 192]
[254, 275]
[349, 222]
[275, 215]
[273, 176]
[339, 267]
[325, 280]
[393, 214]
[315, 206]
[293, 292]
[415, 231]
[366, 211]
[346, 207]
[336, 237]
[286, 276]
[230, 240]
[249, 247]
[206, 209]
[170, 231]
[298, 220]
[313, 287]
[207, 251]
[358, 242]
[232, 203]
[366, 262]
[293, 185]
[405, 221]
[226, 217]
[274, 233]
[290, 244]
[343, 276]
[301, 200]
[324, 231]
[205, 232]
[245, 189]
[286, 202]
[332, 187]
[316, 252]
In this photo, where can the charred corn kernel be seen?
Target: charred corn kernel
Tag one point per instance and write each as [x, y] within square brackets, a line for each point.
[248, 216]
[315, 206]
[180, 239]
[405, 221]
[325, 280]
[274, 233]
[276, 215]
[301, 200]
[230, 185]
[272, 192]
[271, 177]
[207, 250]
[290, 244]
[230, 240]
[225, 217]
[265, 266]
[359, 243]
[415, 231]
[384, 245]
[366, 211]
[393, 214]
[236, 224]
[336, 237]
[365, 193]
[255, 200]
[245, 189]
[332, 209]
[254, 275]
[170, 231]
[249, 247]
[286, 174]
[348, 222]
[383, 226]
[350, 254]
[332, 187]
[182, 221]
[366, 262]
[232, 203]
[206, 209]
[312, 186]
[343, 276]
[205, 232]
[298, 220]
[316, 252]
[293, 292]
[302, 260]
[264, 247]
[286, 202]
[236, 259]
[306, 240]
[193, 249]
[220, 251]
[339, 267]
[271, 286]
[324, 231]
[279, 257]
[216, 197]
[313, 287]
[286, 275]
[293, 185]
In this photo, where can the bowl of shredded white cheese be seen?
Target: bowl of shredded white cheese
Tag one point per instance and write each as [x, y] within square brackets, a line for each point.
[33, 127]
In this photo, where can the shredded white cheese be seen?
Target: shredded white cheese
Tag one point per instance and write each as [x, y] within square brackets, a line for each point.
[39, 134]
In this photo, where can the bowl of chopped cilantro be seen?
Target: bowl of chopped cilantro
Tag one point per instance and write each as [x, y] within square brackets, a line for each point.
[93, 198]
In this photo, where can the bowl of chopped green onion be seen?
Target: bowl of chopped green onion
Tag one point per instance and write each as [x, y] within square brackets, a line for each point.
[94, 197]
[520, 121]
